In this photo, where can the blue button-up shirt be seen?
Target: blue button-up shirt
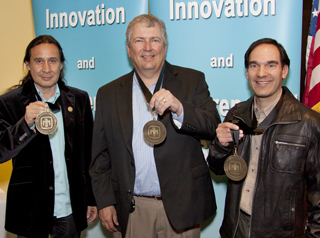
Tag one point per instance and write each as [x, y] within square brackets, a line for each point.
[147, 180]
[62, 203]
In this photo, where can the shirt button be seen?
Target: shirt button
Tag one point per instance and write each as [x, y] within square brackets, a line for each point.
[51, 188]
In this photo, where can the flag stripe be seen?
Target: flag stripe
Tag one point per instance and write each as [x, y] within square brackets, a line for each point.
[314, 95]
[311, 95]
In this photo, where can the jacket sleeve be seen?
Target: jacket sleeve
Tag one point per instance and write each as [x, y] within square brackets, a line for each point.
[201, 117]
[14, 131]
[88, 124]
[312, 168]
[100, 167]
[218, 154]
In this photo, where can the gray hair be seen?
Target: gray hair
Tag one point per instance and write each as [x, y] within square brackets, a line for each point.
[149, 20]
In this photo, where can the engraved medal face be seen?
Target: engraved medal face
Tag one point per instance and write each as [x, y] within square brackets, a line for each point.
[235, 168]
[154, 132]
[46, 123]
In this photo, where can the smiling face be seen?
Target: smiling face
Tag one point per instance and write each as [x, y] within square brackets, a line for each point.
[265, 72]
[45, 66]
[147, 50]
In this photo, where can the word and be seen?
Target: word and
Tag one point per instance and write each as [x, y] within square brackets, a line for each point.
[85, 64]
[222, 62]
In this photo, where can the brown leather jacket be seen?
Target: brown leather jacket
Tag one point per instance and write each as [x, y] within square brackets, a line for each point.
[287, 191]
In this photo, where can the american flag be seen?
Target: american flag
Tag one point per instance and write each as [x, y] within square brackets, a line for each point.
[312, 85]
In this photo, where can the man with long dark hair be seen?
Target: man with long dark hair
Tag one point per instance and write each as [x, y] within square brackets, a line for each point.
[46, 129]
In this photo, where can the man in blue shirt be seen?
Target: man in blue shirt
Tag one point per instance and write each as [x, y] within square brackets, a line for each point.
[149, 175]
[50, 190]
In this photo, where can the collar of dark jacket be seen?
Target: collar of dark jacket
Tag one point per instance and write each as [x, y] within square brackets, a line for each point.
[27, 88]
[288, 112]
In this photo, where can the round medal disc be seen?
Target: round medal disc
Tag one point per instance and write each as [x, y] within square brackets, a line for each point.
[154, 132]
[235, 168]
[46, 123]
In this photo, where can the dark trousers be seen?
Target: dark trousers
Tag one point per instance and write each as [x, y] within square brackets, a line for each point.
[63, 227]
[244, 225]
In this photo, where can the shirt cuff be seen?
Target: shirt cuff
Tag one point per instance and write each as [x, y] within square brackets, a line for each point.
[178, 120]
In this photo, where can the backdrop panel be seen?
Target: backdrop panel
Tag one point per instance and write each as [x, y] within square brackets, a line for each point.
[92, 35]
[213, 36]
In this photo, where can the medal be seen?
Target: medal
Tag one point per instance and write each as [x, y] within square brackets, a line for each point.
[154, 132]
[235, 167]
[46, 123]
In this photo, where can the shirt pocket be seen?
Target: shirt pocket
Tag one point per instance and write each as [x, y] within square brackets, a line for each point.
[289, 153]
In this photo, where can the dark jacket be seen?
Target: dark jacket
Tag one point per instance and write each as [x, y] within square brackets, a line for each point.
[30, 197]
[288, 181]
[184, 177]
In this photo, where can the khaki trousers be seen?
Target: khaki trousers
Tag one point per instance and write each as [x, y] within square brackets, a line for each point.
[149, 220]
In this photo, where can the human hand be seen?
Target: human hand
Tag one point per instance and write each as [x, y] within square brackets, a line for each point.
[224, 133]
[108, 218]
[163, 100]
[92, 213]
[33, 110]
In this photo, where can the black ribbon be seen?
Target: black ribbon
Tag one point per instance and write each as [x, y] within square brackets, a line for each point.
[145, 90]
[258, 130]
[53, 107]
[235, 137]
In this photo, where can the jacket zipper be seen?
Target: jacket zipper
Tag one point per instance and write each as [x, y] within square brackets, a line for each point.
[288, 144]
[255, 187]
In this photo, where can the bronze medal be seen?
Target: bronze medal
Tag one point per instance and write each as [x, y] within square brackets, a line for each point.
[235, 167]
[46, 123]
[154, 132]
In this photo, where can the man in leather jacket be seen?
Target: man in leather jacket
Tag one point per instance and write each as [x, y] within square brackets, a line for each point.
[280, 194]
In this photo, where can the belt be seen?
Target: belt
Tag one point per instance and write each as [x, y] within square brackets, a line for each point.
[154, 197]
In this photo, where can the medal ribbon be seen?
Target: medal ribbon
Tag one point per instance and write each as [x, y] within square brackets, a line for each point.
[53, 107]
[258, 130]
[145, 90]
[235, 137]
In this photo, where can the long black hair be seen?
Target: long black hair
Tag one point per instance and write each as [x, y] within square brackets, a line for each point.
[37, 41]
